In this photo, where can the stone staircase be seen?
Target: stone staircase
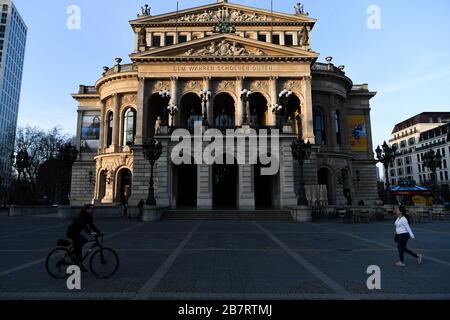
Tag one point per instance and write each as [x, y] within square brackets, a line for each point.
[231, 215]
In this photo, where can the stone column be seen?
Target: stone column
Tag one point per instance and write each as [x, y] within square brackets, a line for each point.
[370, 153]
[332, 116]
[295, 39]
[174, 90]
[246, 196]
[79, 125]
[141, 128]
[101, 142]
[274, 99]
[288, 197]
[307, 119]
[174, 96]
[204, 187]
[116, 127]
[209, 105]
[239, 114]
[162, 175]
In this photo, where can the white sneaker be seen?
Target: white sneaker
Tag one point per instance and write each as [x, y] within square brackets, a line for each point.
[419, 259]
[400, 264]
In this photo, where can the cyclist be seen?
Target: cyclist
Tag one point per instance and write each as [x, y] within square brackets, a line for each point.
[84, 221]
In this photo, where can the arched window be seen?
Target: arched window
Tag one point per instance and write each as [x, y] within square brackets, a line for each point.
[109, 129]
[337, 118]
[319, 126]
[129, 126]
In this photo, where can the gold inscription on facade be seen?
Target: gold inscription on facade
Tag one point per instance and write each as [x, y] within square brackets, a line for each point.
[223, 68]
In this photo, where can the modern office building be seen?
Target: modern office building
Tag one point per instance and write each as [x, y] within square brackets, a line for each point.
[413, 138]
[13, 35]
[249, 60]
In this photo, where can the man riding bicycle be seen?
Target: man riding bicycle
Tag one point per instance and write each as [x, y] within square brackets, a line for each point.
[84, 221]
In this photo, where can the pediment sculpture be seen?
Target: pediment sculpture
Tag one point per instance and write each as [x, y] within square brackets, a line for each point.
[224, 14]
[224, 48]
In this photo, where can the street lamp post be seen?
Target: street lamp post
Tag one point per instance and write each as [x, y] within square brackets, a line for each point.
[205, 95]
[245, 97]
[301, 152]
[276, 109]
[165, 97]
[433, 161]
[386, 155]
[152, 152]
[284, 98]
[172, 110]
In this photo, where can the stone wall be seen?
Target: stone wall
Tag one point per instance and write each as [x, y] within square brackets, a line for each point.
[82, 191]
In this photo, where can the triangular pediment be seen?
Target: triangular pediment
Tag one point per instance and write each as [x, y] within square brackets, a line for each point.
[225, 46]
[234, 13]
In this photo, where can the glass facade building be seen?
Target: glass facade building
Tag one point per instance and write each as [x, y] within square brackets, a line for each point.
[13, 33]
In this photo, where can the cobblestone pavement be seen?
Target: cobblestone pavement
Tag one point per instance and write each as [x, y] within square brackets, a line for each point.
[231, 260]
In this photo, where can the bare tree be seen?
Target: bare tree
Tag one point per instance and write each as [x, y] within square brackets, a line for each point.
[35, 151]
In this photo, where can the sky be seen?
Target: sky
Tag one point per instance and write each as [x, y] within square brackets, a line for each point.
[404, 60]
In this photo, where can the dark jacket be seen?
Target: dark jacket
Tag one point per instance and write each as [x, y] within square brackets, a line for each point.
[84, 222]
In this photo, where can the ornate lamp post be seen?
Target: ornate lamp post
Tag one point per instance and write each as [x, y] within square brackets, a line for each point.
[245, 97]
[172, 110]
[386, 155]
[165, 97]
[276, 109]
[301, 152]
[205, 96]
[152, 152]
[283, 98]
[433, 161]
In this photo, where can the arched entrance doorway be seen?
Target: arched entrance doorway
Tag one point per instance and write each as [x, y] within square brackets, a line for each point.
[124, 182]
[258, 110]
[186, 185]
[325, 177]
[155, 109]
[225, 186]
[190, 111]
[224, 111]
[264, 189]
[101, 185]
[293, 114]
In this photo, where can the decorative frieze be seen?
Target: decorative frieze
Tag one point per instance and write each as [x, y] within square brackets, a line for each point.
[226, 85]
[129, 99]
[224, 48]
[192, 86]
[161, 85]
[227, 14]
[260, 85]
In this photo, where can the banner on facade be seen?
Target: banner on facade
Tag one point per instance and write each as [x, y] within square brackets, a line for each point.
[357, 125]
[90, 133]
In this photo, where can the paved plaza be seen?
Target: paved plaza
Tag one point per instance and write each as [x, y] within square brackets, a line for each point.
[231, 260]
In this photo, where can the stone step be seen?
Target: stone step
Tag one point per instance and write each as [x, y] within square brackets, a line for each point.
[257, 215]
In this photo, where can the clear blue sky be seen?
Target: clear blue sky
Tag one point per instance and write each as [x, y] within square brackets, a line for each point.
[405, 61]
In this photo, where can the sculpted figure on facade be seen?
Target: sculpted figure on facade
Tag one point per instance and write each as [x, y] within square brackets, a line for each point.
[304, 36]
[224, 14]
[224, 48]
[158, 126]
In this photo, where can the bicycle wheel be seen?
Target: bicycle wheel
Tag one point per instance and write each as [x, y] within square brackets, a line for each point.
[104, 263]
[57, 262]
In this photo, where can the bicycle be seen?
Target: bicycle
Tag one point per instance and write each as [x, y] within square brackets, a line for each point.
[101, 259]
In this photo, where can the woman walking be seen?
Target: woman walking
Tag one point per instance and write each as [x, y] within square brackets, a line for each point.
[403, 233]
